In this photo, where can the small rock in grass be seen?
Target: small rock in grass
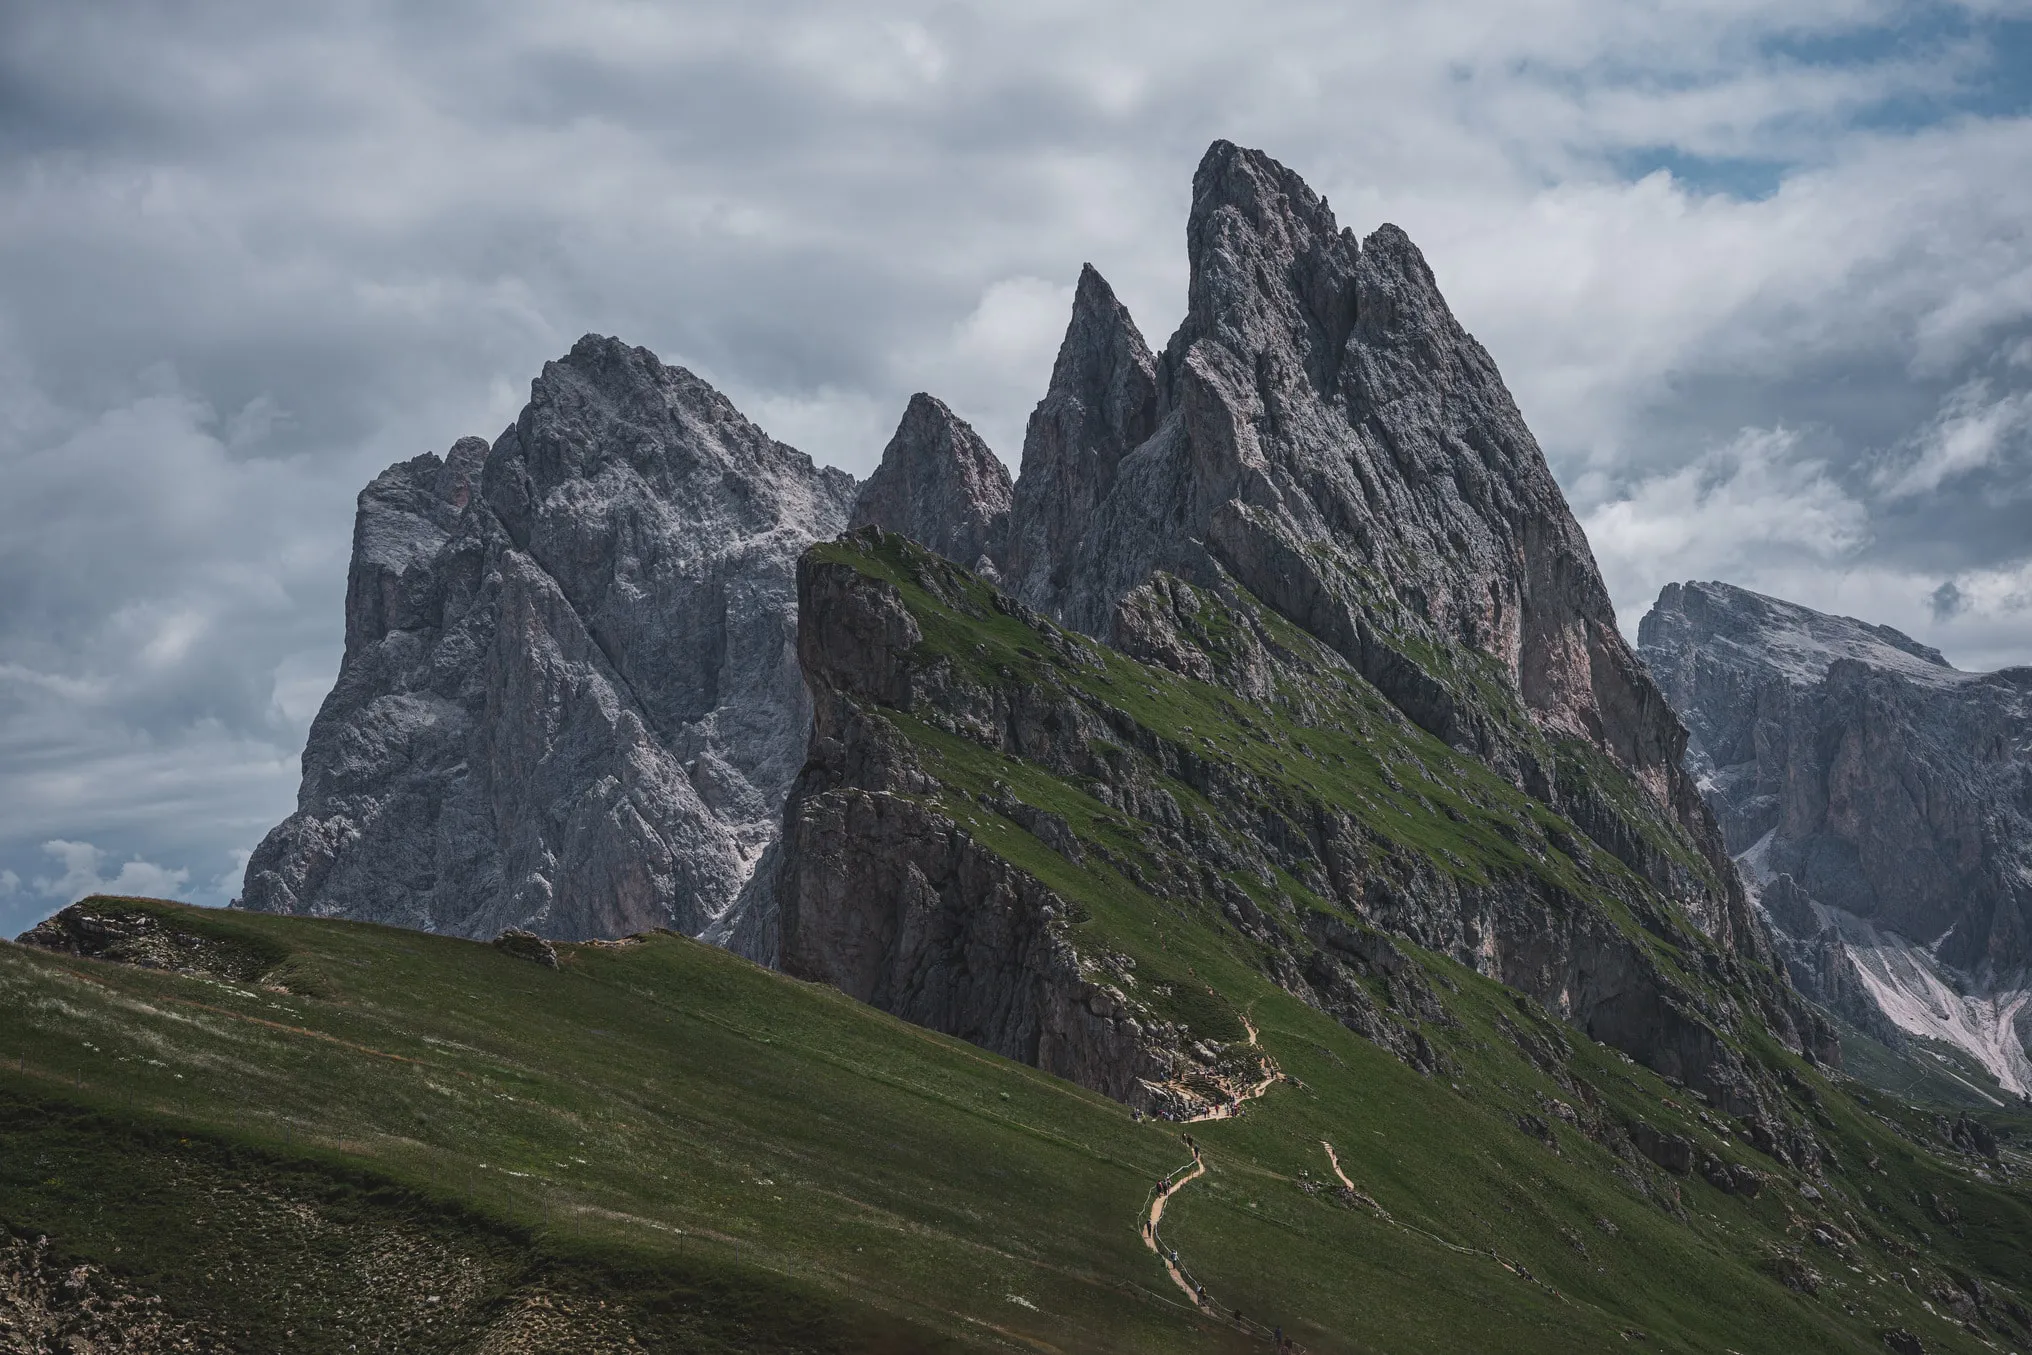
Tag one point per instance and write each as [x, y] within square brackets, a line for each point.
[526, 945]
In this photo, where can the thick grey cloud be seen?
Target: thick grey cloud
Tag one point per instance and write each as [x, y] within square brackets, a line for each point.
[1760, 276]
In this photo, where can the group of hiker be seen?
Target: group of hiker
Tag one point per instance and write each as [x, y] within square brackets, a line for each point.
[1199, 1294]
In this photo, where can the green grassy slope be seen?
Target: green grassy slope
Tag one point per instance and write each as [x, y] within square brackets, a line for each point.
[819, 1174]
[376, 1139]
[1515, 1148]
[735, 1160]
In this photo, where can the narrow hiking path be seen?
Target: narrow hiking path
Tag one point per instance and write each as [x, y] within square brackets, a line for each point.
[1163, 1191]
[1333, 1160]
[1156, 1212]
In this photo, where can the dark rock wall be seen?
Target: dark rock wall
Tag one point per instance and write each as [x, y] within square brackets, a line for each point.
[894, 903]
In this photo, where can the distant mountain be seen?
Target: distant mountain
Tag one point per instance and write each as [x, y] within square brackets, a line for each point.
[569, 699]
[1879, 798]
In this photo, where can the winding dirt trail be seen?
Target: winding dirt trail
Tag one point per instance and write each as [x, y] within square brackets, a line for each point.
[1156, 1213]
[1333, 1160]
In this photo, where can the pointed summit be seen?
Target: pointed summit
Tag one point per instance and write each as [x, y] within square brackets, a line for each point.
[1328, 438]
[1270, 270]
[939, 485]
[1103, 361]
[1101, 404]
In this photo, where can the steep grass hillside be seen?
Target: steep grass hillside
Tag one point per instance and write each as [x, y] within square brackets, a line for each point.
[250, 1133]
[426, 1144]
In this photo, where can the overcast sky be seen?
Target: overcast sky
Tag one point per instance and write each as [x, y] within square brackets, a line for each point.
[1759, 275]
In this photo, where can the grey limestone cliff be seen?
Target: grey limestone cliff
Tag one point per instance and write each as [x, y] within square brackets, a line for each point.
[569, 699]
[1880, 798]
[1323, 433]
[939, 485]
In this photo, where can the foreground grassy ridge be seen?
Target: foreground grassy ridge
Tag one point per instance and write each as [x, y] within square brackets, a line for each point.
[660, 1105]
[1625, 1245]
[733, 1160]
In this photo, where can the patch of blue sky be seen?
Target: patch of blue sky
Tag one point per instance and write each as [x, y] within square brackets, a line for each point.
[1967, 65]
[1985, 62]
[1750, 179]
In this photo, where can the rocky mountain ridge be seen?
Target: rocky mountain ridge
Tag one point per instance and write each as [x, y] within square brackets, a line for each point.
[1321, 432]
[997, 812]
[1880, 799]
[1322, 435]
[569, 698]
[1320, 463]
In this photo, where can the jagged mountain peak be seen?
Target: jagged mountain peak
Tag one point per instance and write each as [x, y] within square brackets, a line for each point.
[610, 411]
[1101, 404]
[940, 485]
[569, 701]
[1102, 350]
[1328, 437]
[1269, 197]
[1271, 274]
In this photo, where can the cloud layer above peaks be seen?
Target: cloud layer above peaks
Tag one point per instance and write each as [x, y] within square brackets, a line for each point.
[1760, 277]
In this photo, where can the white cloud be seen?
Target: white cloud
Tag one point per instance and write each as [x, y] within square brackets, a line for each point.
[82, 875]
[1972, 431]
[997, 360]
[10, 884]
[1740, 508]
